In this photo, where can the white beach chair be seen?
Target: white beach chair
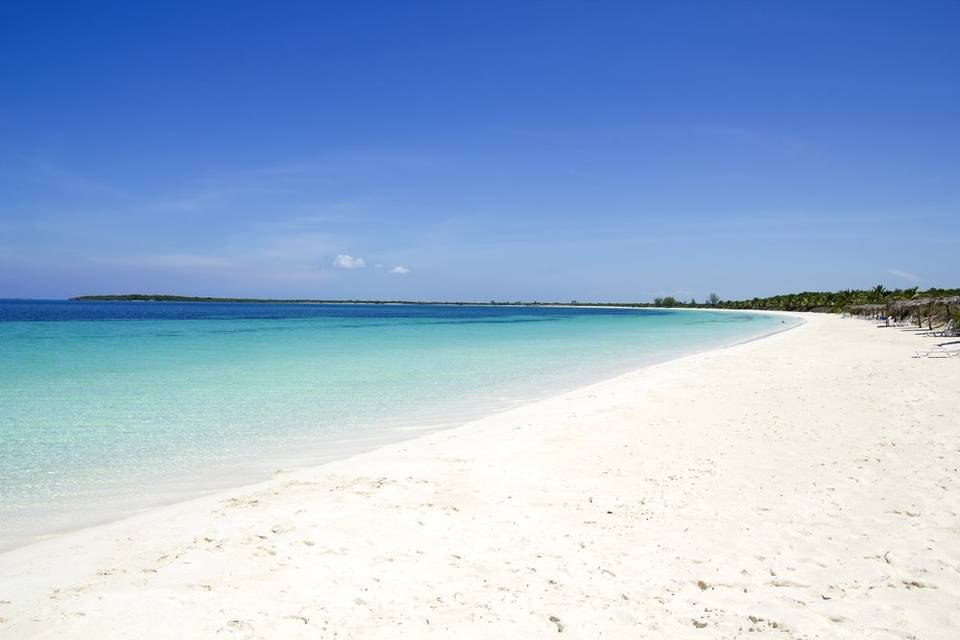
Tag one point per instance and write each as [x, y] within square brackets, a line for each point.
[948, 330]
[937, 352]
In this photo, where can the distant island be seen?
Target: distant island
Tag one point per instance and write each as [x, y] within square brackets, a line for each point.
[141, 297]
[151, 297]
[822, 301]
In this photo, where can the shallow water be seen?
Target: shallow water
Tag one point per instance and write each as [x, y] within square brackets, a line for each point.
[106, 407]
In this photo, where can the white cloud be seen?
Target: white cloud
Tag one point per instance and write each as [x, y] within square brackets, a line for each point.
[400, 269]
[344, 261]
[906, 275]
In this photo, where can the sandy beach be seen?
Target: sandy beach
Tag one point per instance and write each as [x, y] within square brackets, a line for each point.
[800, 486]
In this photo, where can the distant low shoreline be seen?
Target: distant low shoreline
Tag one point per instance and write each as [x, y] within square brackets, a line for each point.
[942, 303]
[137, 297]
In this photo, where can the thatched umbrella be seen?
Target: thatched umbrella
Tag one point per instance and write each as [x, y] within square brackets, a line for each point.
[947, 301]
[917, 307]
[900, 308]
[867, 310]
[928, 303]
[913, 307]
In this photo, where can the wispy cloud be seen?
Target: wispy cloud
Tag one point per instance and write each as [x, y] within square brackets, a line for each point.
[400, 269]
[906, 275]
[344, 261]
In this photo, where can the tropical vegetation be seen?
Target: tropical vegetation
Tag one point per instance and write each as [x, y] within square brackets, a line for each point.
[822, 301]
[825, 301]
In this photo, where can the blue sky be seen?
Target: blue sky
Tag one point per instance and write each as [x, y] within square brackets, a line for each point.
[541, 150]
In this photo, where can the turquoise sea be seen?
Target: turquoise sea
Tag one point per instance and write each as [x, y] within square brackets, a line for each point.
[110, 407]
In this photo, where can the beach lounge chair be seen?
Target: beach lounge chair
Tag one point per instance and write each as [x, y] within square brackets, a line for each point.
[948, 330]
[937, 352]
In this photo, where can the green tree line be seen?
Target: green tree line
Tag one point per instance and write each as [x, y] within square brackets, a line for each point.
[825, 301]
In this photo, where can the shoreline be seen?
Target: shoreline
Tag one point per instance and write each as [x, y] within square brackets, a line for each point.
[255, 471]
[801, 483]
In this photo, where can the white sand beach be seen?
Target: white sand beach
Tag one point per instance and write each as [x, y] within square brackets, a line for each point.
[805, 485]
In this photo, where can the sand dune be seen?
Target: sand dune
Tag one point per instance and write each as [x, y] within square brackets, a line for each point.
[800, 486]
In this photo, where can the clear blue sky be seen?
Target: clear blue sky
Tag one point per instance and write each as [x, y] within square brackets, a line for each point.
[548, 150]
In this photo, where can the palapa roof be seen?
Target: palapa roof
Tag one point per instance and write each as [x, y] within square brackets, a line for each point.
[905, 304]
[926, 301]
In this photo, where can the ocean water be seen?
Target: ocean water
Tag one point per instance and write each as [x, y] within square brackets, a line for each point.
[109, 407]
